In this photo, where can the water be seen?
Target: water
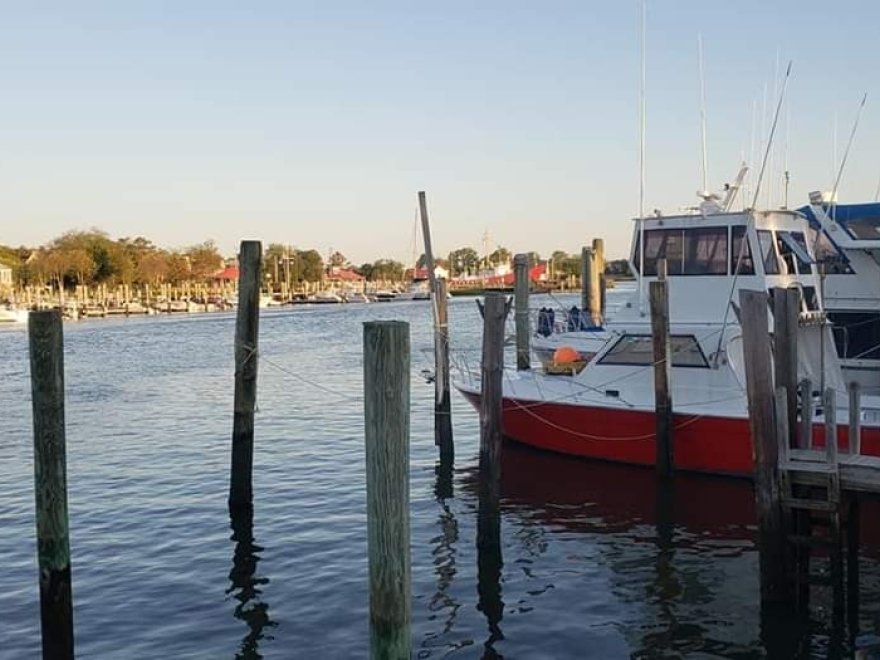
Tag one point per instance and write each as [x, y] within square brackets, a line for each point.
[595, 564]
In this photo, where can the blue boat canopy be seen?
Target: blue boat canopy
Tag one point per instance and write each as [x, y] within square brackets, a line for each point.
[861, 221]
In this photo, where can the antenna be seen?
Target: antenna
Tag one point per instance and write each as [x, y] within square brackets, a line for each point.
[773, 153]
[642, 161]
[849, 143]
[703, 116]
[772, 133]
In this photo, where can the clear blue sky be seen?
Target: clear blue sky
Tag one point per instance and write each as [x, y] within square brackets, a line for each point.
[316, 123]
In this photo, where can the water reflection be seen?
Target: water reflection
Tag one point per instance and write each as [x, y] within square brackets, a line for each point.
[444, 550]
[489, 557]
[245, 585]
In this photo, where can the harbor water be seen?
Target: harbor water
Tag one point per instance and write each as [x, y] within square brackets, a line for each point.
[596, 561]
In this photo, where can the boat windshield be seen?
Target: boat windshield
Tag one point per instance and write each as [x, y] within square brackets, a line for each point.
[638, 350]
[865, 228]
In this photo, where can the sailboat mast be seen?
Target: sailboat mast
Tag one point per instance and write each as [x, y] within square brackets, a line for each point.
[642, 161]
[703, 116]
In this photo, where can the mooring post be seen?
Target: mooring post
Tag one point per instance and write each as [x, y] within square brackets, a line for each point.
[386, 421]
[587, 270]
[521, 311]
[659, 294]
[492, 372]
[597, 281]
[806, 436]
[45, 337]
[442, 396]
[829, 410]
[786, 305]
[246, 339]
[762, 422]
[442, 406]
[855, 418]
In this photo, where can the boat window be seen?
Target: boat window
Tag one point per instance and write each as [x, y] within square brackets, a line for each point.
[832, 260]
[864, 228]
[705, 251]
[768, 252]
[638, 350]
[857, 334]
[662, 244]
[744, 260]
[793, 252]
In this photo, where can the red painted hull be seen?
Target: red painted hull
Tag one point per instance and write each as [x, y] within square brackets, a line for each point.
[718, 445]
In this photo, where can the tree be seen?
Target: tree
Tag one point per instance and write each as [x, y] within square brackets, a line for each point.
[387, 269]
[204, 260]
[308, 266]
[366, 270]
[152, 268]
[338, 260]
[176, 268]
[500, 256]
[463, 260]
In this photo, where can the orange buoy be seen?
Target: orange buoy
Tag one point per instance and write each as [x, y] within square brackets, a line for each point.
[566, 355]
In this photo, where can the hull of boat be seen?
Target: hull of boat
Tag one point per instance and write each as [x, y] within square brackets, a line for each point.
[716, 445]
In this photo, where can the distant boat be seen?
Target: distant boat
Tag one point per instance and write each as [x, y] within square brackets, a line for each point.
[12, 315]
[357, 297]
[326, 297]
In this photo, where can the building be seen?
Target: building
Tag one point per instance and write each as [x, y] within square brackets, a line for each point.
[5, 276]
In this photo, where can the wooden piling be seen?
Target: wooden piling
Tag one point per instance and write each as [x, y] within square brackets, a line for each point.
[442, 402]
[786, 310]
[386, 420]
[659, 295]
[442, 387]
[492, 373]
[762, 423]
[246, 342]
[521, 311]
[855, 418]
[586, 279]
[805, 439]
[829, 410]
[46, 341]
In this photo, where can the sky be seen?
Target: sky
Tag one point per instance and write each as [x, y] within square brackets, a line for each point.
[316, 123]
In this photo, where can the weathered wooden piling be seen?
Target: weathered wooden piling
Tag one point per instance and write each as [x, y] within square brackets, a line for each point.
[659, 295]
[521, 311]
[386, 420]
[246, 340]
[46, 341]
[442, 400]
[855, 418]
[762, 422]
[786, 308]
[829, 410]
[587, 270]
[442, 386]
[805, 439]
[492, 372]
[599, 284]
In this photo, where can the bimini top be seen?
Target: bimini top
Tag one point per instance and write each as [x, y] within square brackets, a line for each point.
[860, 221]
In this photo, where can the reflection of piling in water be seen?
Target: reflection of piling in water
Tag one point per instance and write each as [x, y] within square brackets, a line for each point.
[386, 418]
[245, 585]
[50, 480]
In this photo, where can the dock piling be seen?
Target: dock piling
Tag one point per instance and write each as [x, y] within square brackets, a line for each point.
[386, 420]
[587, 270]
[521, 312]
[659, 295]
[786, 305]
[762, 423]
[46, 342]
[442, 386]
[855, 418]
[805, 441]
[246, 341]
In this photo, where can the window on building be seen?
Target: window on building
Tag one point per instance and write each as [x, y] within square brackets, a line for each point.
[741, 253]
[638, 350]
[768, 252]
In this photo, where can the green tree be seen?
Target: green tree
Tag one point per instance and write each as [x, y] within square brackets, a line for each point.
[500, 256]
[176, 268]
[307, 266]
[387, 269]
[204, 260]
[463, 261]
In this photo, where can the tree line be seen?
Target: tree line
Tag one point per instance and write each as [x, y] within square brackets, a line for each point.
[92, 258]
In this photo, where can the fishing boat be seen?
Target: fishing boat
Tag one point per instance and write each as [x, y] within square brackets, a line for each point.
[846, 238]
[601, 405]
